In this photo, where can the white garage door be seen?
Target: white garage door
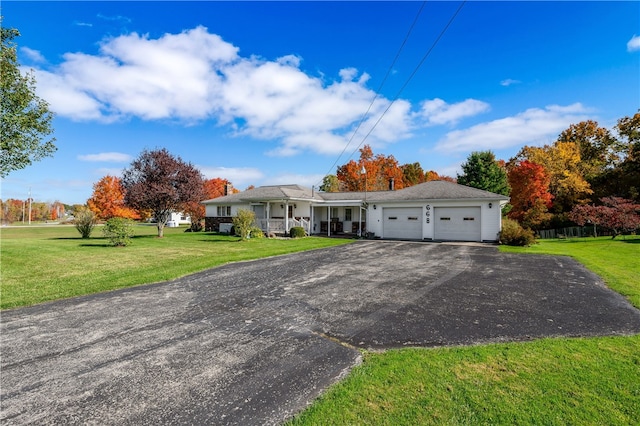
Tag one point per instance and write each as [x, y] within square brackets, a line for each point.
[402, 223]
[457, 223]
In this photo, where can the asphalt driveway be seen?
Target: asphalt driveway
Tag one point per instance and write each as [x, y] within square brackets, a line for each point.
[255, 342]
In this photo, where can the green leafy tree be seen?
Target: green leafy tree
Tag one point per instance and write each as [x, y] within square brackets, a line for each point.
[482, 171]
[623, 180]
[330, 183]
[412, 174]
[119, 231]
[26, 119]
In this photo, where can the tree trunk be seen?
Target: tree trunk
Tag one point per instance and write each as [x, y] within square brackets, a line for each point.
[160, 229]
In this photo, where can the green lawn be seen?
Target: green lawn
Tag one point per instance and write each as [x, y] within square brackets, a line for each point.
[546, 382]
[550, 381]
[47, 263]
[594, 381]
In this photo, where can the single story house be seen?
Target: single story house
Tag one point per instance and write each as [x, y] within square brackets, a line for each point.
[434, 211]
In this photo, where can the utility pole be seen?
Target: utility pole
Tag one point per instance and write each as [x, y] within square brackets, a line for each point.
[29, 205]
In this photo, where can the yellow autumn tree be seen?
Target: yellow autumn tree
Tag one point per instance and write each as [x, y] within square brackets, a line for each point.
[562, 162]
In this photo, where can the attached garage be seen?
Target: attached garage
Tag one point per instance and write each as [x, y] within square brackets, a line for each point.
[402, 222]
[457, 223]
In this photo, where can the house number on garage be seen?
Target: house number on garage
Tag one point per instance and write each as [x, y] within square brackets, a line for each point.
[428, 213]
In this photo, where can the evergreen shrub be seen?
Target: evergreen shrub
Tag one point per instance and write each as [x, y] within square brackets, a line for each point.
[297, 232]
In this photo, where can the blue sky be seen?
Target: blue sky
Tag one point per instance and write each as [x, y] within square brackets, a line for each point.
[271, 92]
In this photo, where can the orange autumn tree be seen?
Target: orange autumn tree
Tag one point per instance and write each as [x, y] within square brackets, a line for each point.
[380, 169]
[530, 196]
[107, 200]
[433, 175]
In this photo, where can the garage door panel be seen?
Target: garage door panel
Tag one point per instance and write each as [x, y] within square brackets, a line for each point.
[457, 223]
[402, 222]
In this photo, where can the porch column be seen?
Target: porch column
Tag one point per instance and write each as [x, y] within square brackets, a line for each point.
[286, 217]
[328, 221]
[360, 222]
[268, 215]
[311, 219]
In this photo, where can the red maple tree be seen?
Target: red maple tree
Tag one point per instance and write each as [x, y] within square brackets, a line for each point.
[530, 196]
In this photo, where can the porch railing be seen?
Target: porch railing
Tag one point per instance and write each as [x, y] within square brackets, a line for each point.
[277, 226]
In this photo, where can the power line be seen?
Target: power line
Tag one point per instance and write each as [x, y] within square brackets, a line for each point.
[389, 70]
[406, 83]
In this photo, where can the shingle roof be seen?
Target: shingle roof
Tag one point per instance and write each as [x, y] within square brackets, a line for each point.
[436, 190]
[269, 193]
[432, 190]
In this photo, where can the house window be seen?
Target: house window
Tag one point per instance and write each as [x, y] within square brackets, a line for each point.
[347, 214]
[183, 218]
[224, 210]
[334, 213]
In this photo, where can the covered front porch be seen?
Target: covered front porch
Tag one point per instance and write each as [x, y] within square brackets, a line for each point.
[280, 216]
[333, 219]
[330, 219]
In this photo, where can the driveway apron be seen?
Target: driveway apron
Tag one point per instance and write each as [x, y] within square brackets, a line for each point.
[255, 342]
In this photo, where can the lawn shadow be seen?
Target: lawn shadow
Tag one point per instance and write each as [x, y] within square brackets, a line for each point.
[96, 245]
[632, 241]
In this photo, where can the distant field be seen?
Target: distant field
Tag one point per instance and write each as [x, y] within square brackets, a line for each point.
[46, 263]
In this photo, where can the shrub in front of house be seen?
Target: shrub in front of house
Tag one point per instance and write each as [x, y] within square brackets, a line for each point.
[297, 232]
[513, 234]
[256, 232]
[119, 231]
[243, 222]
[196, 226]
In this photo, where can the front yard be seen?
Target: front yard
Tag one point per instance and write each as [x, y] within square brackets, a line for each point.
[47, 263]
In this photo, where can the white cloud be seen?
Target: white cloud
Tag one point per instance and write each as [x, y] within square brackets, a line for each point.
[437, 111]
[509, 81]
[106, 157]
[33, 55]
[239, 177]
[195, 76]
[532, 127]
[633, 44]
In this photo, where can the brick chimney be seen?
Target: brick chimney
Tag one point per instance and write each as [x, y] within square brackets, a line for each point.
[227, 189]
[392, 184]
